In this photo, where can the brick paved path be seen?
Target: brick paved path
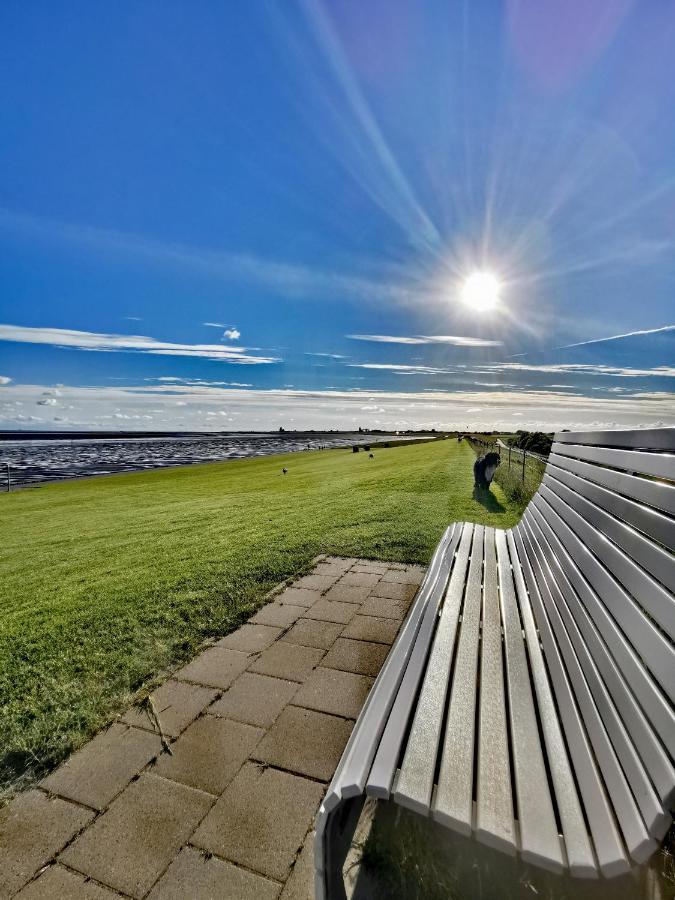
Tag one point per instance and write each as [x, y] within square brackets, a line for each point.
[256, 725]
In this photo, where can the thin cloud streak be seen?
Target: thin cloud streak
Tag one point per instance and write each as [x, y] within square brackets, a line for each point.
[618, 337]
[452, 340]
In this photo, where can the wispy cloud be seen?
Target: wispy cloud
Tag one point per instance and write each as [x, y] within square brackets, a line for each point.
[5, 379]
[124, 343]
[581, 369]
[453, 340]
[619, 337]
[215, 324]
[133, 318]
[327, 355]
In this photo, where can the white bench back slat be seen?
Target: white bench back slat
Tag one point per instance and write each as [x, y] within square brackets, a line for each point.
[645, 739]
[539, 842]
[606, 837]
[657, 465]
[415, 781]
[494, 803]
[638, 439]
[453, 803]
[653, 524]
[623, 772]
[656, 494]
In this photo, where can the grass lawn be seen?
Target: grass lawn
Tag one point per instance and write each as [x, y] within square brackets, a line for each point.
[106, 582]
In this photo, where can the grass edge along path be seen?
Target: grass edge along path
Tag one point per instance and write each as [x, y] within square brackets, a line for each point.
[107, 583]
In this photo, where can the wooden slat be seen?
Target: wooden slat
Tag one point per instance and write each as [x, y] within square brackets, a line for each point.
[453, 803]
[494, 803]
[657, 562]
[386, 759]
[657, 465]
[413, 786]
[654, 649]
[650, 698]
[653, 524]
[539, 841]
[658, 602]
[638, 439]
[350, 777]
[606, 837]
[657, 494]
[647, 744]
[580, 856]
[622, 769]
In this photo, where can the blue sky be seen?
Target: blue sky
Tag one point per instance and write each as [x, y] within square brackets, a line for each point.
[247, 215]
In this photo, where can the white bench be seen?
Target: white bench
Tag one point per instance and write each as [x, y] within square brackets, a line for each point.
[528, 700]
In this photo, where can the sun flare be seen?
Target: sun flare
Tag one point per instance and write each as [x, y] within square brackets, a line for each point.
[480, 291]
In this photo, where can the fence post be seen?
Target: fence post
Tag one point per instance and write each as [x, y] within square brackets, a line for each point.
[524, 455]
[509, 457]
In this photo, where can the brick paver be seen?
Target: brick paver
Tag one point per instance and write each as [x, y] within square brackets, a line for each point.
[362, 657]
[261, 820]
[304, 741]
[216, 667]
[32, 829]
[209, 754]
[176, 703]
[256, 723]
[104, 766]
[132, 843]
[194, 875]
[291, 661]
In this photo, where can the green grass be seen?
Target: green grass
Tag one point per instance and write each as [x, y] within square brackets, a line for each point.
[105, 583]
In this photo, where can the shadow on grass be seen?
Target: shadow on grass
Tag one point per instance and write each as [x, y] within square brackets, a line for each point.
[486, 498]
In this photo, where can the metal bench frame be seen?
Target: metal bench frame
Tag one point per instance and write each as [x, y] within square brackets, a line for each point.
[528, 700]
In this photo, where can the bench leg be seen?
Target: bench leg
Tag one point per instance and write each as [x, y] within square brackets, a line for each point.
[336, 840]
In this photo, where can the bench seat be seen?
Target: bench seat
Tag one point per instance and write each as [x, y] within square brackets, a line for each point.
[528, 700]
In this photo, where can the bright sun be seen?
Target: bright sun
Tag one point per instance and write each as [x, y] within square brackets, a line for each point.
[481, 291]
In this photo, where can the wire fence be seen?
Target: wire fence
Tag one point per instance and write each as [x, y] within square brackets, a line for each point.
[520, 471]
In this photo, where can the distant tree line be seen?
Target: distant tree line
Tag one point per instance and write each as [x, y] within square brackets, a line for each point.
[534, 441]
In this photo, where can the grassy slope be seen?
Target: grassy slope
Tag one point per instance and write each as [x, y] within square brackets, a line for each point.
[105, 582]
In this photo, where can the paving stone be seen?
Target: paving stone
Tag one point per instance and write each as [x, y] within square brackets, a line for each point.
[131, 844]
[57, 883]
[290, 661]
[314, 633]
[333, 567]
[358, 579]
[34, 827]
[362, 657]
[255, 699]
[250, 638]
[299, 596]
[177, 704]
[300, 885]
[371, 628]
[104, 766]
[370, 567]
[332, 611]
[384, 608]
[394, 591]
[209, 754]
[197, 876]
[333, 691]
[317, 582]
[410, 576]
[215, 667]
[279, 614]
[261, 820]
[307, 742]
[348, 593]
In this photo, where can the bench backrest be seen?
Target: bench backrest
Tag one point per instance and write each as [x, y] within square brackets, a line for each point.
[600, 534]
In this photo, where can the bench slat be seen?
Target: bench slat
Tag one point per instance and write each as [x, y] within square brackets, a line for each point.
[650, 644]
[657, 465]
[623, 656]
[453, 803]
[384, 765]
[580, 857]
[641, 438]
[606, 837]
[658, 495]
[649, 521]
[494, 807]
[539, 841]
[624, 775]
[643, 552]
[413, 786]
